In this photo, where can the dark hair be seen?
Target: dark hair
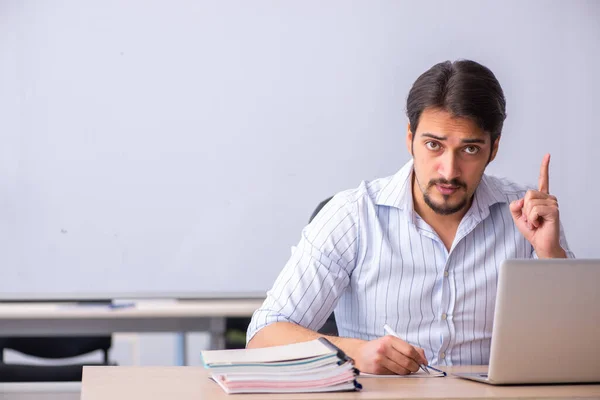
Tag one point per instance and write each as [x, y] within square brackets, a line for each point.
[463, 88]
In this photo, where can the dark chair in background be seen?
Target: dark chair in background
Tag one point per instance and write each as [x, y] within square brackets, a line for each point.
[51, 348]
[235, 328]
[319, 207]
[330, 327]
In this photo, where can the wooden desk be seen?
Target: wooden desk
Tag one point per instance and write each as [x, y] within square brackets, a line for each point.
[192, 383]
[62, 319]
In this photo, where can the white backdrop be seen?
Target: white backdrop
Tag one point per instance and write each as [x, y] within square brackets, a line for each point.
[180, 146]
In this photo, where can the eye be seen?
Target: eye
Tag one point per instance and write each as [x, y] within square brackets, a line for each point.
[472, 150]
[432, 145]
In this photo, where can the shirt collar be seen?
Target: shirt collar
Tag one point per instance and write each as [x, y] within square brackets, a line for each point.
[486, 195]
[398, 193]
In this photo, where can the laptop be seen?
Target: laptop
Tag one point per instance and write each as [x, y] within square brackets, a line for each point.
[546, 323]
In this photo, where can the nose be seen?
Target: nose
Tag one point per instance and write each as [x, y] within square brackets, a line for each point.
[449, 166]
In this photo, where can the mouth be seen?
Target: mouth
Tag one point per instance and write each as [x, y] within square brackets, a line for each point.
[447, 190]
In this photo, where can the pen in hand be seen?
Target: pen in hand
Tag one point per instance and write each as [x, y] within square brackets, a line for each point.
[391, 332]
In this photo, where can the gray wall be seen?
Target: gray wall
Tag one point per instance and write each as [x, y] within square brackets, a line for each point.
[180, 146]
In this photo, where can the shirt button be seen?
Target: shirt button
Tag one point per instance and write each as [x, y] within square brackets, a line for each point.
[444, 316]
[446, 273]
[442, 356]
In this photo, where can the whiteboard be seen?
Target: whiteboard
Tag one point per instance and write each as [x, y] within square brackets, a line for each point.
[180, 147]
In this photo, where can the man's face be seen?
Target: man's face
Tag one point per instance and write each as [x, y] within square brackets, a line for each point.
[450, 155]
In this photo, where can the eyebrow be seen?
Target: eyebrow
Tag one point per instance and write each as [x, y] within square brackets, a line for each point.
[442, 138]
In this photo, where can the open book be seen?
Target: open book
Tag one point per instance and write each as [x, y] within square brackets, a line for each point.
[314, 366]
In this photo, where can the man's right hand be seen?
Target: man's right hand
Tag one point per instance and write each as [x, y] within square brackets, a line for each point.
[388, 355]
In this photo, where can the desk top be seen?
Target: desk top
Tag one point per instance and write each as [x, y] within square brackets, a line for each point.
[141, 309]
[192, 383]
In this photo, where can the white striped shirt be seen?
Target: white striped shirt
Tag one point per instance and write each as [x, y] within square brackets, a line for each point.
[370, 256]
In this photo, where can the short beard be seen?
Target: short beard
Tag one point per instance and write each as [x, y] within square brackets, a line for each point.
[443, 210]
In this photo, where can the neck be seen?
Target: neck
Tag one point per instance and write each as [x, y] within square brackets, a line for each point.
[434, 219]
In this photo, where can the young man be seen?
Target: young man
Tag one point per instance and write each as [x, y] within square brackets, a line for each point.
[419, 250]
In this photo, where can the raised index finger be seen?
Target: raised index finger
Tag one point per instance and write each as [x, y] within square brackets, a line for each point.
[543, 181]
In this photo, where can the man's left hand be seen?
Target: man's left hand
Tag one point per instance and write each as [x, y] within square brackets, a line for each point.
[536, 217]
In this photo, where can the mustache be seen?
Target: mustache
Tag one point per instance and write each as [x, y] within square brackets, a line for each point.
[454, 182]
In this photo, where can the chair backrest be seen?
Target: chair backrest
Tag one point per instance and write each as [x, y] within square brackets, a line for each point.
[330, 327]
[319, 207]
[57, 347]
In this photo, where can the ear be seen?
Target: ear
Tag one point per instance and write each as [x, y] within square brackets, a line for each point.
[494, 149]
[409, 139]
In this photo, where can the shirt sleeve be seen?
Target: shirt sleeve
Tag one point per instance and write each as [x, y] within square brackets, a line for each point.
[563, 243]
[312, 281]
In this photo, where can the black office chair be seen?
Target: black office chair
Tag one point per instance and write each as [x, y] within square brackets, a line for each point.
[235, 332]
[330, 326]
[236, 327]
[50, 348]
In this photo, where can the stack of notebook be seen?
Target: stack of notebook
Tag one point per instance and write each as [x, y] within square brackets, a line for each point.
[315, 366]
